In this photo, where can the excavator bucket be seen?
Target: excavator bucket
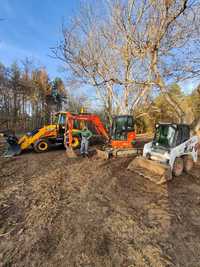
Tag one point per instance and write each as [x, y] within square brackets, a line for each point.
[154, 171]
[71, 153]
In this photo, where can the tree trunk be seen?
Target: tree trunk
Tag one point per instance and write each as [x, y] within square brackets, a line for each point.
[14, 115]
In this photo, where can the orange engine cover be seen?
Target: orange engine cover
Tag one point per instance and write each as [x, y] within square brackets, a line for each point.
[131, 136]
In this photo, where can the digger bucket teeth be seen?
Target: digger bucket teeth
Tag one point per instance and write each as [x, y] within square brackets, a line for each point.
[71, 153]
[154, 171]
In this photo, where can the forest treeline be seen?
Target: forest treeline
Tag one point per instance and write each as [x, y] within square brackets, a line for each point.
[28, 97]
[156, 109]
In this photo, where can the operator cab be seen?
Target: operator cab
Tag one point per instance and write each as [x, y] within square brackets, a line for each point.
[59, 118]
[123, 131]
[169, 135]
[121, 126]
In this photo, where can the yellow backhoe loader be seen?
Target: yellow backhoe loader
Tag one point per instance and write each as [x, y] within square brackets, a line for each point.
[42, 139]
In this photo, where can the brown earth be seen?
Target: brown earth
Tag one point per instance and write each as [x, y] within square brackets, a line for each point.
[56, 211]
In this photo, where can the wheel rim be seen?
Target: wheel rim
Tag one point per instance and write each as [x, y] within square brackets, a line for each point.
[43, 146]
[75, 142]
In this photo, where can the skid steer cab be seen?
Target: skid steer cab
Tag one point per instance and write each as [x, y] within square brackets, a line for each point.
[171, 152]
[42, 139]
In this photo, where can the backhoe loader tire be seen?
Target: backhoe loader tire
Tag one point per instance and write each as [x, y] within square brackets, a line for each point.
[41, 145]
[178, 167]
[75, 142]
[188, 163]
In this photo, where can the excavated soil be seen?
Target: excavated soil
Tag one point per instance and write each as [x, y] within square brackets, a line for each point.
[56, 211]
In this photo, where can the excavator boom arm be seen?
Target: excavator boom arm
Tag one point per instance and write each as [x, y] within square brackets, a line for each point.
[94, 119]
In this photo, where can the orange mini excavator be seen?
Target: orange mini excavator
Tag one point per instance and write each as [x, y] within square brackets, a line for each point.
[119, 141]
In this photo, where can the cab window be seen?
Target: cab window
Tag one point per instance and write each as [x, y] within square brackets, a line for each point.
[62, 119]
[130, 124]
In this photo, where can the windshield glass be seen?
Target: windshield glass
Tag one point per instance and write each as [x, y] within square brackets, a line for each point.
[120, 124]
[119, 128]
[59, 119]
[165, 135]
[62, 119]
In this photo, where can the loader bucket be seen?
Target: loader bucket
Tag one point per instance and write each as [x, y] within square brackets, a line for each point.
[71, 153]
[12, 150]
[154, 171]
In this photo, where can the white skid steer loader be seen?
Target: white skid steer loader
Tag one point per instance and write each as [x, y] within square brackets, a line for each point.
[171, 152]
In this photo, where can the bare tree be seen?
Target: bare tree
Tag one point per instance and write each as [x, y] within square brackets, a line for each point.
[132, 47]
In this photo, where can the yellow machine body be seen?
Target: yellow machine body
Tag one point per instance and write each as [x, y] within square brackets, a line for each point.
[46, 131]
[41, 139]
[49, 131]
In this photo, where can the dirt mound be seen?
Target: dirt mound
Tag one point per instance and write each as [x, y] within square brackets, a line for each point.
[87, 212]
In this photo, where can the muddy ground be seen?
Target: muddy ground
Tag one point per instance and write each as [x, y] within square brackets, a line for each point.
[56, 211]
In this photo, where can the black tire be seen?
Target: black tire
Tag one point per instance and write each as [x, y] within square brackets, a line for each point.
[188, 163]
[41, 145]
[76, 142]
[178, 167]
